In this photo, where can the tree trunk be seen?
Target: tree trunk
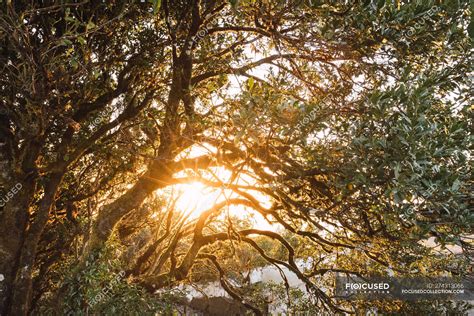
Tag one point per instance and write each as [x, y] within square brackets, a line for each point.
[112, 213]
[14, 204]
[21, 290]
[13, 221]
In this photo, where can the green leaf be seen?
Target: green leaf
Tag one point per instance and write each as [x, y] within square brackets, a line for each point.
[74, 63]
[456, 185]
[251, 83]
[66, 42]
[81, 40]
[90, 25]
[156, 6]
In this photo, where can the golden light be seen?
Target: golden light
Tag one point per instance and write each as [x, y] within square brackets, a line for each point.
[195, 198]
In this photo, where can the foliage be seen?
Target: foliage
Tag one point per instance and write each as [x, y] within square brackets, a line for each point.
[345, 125]
[101, 288]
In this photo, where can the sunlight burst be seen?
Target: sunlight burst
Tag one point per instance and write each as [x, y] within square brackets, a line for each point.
[194, 198]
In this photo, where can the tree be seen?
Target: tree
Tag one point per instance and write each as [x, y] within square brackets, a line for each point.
[351, 118]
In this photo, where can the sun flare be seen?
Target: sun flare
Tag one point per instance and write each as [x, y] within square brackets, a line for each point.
[194, 197]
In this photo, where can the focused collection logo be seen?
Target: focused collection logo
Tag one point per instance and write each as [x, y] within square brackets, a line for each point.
[404, 288]
[367, 287]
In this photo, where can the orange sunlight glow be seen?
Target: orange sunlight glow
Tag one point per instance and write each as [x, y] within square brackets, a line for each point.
[195, 197]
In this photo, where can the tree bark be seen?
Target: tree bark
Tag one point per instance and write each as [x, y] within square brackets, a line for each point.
[13, 222]
[15, 201]
[157, 177]
[22, 283]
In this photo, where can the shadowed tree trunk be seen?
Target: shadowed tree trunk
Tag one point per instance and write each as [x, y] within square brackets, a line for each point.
[22, 284]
